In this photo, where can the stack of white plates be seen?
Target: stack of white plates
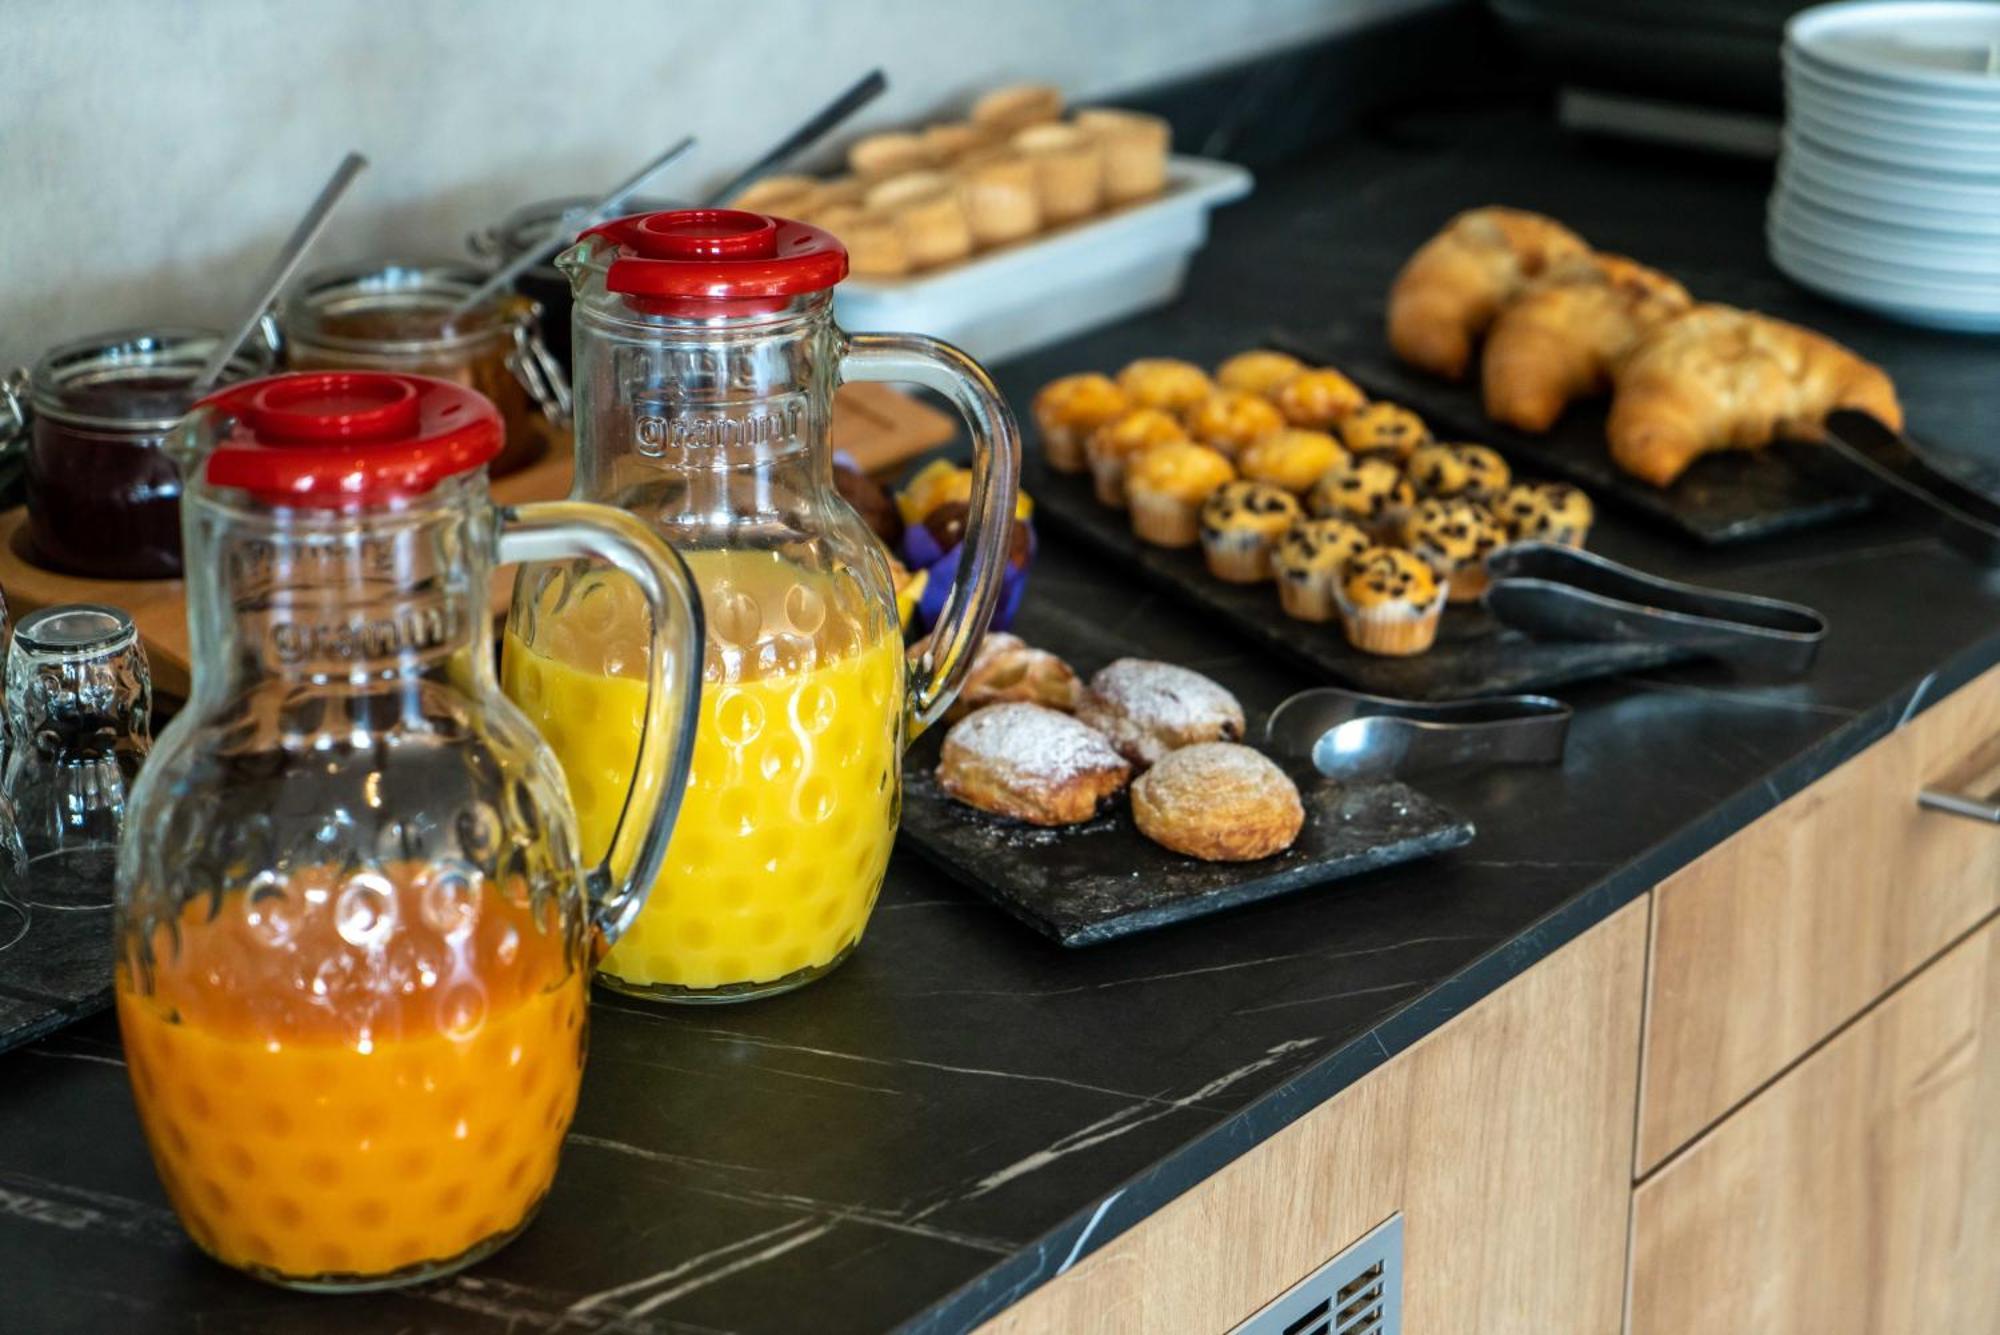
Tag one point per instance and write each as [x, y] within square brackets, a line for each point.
[1888, 193]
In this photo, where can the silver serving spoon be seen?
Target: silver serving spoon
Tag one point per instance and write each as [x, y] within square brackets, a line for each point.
[817, 127]
[565, 230]
[296, 245]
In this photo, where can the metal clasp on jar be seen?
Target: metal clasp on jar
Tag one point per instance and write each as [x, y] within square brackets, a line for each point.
[537, 369]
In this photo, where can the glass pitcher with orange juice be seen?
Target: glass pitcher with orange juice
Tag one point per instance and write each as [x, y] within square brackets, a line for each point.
[355, 926]
[705, 360]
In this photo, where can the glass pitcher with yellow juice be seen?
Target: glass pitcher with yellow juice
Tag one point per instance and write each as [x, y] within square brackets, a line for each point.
[354, 926]
[705, 359]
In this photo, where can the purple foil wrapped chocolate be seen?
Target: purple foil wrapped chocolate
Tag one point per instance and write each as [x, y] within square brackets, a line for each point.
[922, 552]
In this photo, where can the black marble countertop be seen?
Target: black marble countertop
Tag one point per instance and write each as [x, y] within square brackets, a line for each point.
[964, 1110]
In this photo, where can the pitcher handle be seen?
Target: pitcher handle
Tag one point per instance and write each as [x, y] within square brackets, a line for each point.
[554, 530]
[938, 666]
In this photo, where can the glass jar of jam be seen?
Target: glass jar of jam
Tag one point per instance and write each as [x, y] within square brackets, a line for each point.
[396, 316]
[526, 228]
[103, 495]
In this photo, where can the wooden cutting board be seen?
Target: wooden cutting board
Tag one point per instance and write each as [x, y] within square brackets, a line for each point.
[876, 425]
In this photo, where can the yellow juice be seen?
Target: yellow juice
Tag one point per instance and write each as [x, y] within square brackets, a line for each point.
[792, 799]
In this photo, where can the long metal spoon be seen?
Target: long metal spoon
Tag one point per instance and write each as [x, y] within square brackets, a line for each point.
[566, 229]
[296, 245]
[823, 123]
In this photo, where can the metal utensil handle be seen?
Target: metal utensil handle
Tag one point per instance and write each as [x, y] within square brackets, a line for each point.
[824, 122]
[566, 228]
[538, 372]
[1971, 790]
[294, 250]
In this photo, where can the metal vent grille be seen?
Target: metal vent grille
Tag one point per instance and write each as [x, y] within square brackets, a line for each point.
[1359, 1292]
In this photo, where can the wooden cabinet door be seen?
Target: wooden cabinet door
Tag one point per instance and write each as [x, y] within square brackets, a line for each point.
[1859, 1195]
[1504, 1139]
[1791, 927]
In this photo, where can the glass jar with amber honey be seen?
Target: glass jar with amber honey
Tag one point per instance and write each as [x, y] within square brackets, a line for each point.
[397, 316]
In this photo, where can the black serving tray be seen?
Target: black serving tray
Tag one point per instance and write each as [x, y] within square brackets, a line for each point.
[1474, 654]
[1103, 879]
[1728, 497]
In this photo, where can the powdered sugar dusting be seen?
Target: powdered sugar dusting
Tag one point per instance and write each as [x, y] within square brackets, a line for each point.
[1211, 775]
[1165, 695]
[1033, 744]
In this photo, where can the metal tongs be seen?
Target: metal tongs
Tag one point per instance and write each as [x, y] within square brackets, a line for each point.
[1562, 592]
[1963, 516]
[1350, 735]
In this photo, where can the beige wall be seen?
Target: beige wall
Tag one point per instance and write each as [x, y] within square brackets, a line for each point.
[153, 152]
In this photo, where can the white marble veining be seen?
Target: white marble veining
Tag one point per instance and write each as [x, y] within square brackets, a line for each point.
[154, 152]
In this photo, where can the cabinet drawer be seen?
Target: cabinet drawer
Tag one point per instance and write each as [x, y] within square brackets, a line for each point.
[1788, 929]
[1860, 1193]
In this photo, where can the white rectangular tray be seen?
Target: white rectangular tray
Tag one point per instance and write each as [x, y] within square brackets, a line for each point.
[1061, 283]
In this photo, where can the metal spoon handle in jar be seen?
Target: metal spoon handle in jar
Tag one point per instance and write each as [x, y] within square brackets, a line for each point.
[822, 124]
[296, 245]
[566, 229]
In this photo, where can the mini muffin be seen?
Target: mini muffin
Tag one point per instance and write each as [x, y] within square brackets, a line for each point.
[1069, 170]
[929, 214]
[1309, 563]
[1016, 106]
[874, 242]
[1001, 197]
[1317, 399]
[1005, 668]
[877, 157]
[1471, 471]
[787, 196]
[1390, 602]
[1240, 525]
[1371, 492]
[1111, 448]
[1384, 428]
[1218, 802]
[1165, 383]
[948, 141]
[1147, 709]
[1454, 537]
[1294, 458]
[1229, 419]
[1069, 409]
[1030, 763]
[1258, 371]
[1546, 512]
[1166, 487]
[1135, 151]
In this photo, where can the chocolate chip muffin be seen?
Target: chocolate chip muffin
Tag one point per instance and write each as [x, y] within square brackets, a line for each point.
[1546, 512]
[1472, 471]
[1240, 525]
[1371, 492]
[1390, 603]
[1384, 428]
[1309, 563]
[1454, 537]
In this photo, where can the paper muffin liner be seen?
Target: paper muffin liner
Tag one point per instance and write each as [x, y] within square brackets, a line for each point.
[1163, 519]
[1238, 555]
[1395, 630]
[1308, 595]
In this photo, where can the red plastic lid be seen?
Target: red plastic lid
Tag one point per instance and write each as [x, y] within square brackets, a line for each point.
[337, 438]
[719, 261]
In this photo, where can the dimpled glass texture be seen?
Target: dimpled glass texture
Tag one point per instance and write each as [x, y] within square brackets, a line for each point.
[714, 432]
[353, 959]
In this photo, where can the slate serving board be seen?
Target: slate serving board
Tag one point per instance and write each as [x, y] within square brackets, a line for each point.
[1103, 879]
[1729, 497]
[1474, 654]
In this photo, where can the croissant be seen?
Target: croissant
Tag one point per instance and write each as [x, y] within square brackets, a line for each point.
[1717, 378]
[1561, 338]
[1455, 284]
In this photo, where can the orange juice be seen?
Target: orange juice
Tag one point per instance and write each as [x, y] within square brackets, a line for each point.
[792, 799]
[347, 1087]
